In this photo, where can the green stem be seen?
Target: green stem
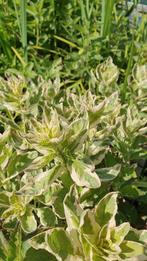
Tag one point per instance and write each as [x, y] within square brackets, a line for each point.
[128, 71]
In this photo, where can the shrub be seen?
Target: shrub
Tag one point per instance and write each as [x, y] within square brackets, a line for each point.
[66, 154]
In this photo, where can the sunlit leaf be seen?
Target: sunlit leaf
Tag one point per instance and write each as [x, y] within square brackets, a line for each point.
[131, 249]
[59, 244]
[72, 209]
[106, 209]
[84, 175]
[28, 221]
[47, 216]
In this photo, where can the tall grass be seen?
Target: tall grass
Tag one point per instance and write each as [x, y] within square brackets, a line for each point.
[82, 32]
[23, 22]
[106, 17]
[4, 36]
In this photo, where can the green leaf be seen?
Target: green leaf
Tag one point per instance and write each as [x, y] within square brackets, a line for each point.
[75, 128]
[108, 71]
[16, 208]
[38, 241]
[139, 73]
[58, 203]
[89, 227]
[84, 175]
[66, 180]
[75, 134]
[97, 258]
[104, 235]
[49, 196]
[4, 243]
[40, 182]
[87, 249]
[97, 153]
[119, 233]
[131, 191]
[95, 114]
[4, 138]
[137, 235]
[72, 209]
[76, 242]
[47, 216]
[28, 221]
[52, 122]
[40, 162]
[131, 249]
[17, 251]
[106, 209]
[4, 199]
[37, 255]
[143, 236]
[59, 244]
[108, 174]
[19, 163]
[14, 248]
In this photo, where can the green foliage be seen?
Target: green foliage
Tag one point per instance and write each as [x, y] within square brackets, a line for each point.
[73, 121]
[61, 151]
[95, 236]
[82, 32]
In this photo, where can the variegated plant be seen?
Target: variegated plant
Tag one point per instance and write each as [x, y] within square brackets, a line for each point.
[92, 235]
[61, 150]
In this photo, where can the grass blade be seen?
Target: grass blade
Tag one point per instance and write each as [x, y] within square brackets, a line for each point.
[106, 18]
[18, 56]
[67, 42]
[23, 6]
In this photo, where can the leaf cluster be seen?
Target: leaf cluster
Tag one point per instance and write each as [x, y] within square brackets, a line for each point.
[63, 149]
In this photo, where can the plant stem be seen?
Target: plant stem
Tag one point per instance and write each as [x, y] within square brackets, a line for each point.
[128, 70]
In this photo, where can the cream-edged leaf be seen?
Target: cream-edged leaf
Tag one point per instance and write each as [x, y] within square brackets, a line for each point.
[72, 209]
[84, 175]
[47, 216]
[131, 249]
[28, 221]
[106, 209]
[59, 244]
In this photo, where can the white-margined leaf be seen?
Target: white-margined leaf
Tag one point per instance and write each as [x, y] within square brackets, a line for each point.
[108, 174]
[106, 209]
[59, 244]
[47, 216]
[84, 175]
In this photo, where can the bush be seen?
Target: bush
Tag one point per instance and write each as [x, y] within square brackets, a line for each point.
[62, 150]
